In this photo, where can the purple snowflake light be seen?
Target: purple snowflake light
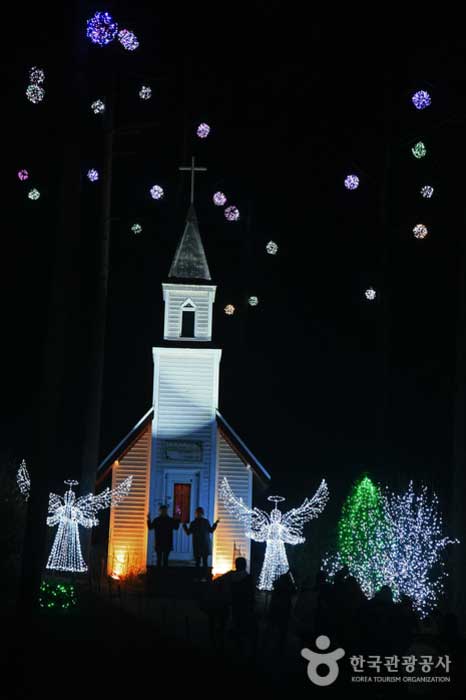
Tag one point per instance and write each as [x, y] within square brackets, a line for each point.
[128, 40]
[421, 99]
[232, 213]
[35, 94]
[92, 175]
[203, 130]
[219, 199]
[101, 28]
[351, 182]
[156, 192]
[23, 175]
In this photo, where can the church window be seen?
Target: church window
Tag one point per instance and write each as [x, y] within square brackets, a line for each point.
[187, 323]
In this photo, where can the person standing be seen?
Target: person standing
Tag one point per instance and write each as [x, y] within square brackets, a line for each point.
[200, 529]
[163, 527]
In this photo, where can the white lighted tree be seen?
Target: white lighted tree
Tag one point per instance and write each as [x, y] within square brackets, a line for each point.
[68, 512]
[276, 529]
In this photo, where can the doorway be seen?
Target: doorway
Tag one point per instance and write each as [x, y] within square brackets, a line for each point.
[181, 496]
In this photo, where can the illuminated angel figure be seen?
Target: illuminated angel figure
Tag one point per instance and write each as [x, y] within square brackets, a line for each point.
[276, 529]
[68, 512]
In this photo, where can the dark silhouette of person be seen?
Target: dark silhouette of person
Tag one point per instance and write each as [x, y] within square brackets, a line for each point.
[163, 527]
[242, 597]
[280, 607]
[200, 529]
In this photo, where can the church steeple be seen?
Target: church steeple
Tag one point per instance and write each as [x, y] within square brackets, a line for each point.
[190, 262]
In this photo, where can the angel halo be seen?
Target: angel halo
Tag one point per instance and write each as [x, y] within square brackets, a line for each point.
[276, 529]
[68, 512]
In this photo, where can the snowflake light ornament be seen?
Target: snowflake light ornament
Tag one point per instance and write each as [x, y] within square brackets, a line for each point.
[427, 191]
[219, 199]
[351, 182]
[156, 192]
[136, 228]
[271, 248]
[23, 480]
[98, 107]
[203, 130]
[92, 175]
[128, 40]
[276, 529]
[145, 93]
[34, 194]
[229, 309]
[419, 150]
[36, 75]
[23, 175]
[370, 294]
[421, 99]
[253, 301]
[232, 213]
[420, 231]
[101, 28]
[35, 93]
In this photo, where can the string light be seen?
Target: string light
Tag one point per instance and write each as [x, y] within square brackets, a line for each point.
[219, 199]
[35, 94]
[60, 596]
[23, 480]
[34, 194]
[420, 231]
[203, 130]
[92, 175]
[421, 99]
[101, 28]
[253, 301]
[419, 150]
[136, 228]
[98, 107]
[229, 309]
[156, 192]
[351, 182]
[128, 40]
[427, 191]
[68, 513]
[271, 248]
[276, 529]
[232, 213]
[370, 293]
[36, 75]
[23, 175]
[145, 93]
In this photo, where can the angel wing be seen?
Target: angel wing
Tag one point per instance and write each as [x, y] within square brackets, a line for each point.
[255, 521]
[90, 504]
[56, 504]
[23, 480]
[295, 518]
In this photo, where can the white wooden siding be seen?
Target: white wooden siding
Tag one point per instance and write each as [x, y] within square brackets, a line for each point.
[175, 296]
[230, 540]
[128, 532]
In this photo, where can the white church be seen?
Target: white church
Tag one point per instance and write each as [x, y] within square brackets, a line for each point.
[183, 446]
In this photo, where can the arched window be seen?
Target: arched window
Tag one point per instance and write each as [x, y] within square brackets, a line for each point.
[188, 319]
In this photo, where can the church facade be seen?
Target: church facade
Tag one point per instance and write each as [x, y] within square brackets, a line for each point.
[183, 446]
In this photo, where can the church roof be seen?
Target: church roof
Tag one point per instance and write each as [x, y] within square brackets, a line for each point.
[233, 438]
[190, 262]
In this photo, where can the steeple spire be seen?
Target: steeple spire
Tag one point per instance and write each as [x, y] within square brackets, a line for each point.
[190, 262]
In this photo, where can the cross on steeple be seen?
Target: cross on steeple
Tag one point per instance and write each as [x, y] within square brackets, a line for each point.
[191, 168]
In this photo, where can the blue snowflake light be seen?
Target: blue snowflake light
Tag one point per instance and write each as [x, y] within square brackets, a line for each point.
[421, 99]
[101, 28]
[128, 40]
[427, 191]
[351, 182]
[92, 175]
[145, 93]
[156, 192]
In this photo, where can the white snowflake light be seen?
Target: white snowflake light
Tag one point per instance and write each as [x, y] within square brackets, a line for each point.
[232, 213]
[276, 529]
[92, 175]
[420, 231]
[34, 194]
[271, 248]
[128, 40]
[253, 301]
[35, 94]
[98, 107]
[156, 192]
[145, 93]
[36, 76]
[427, 191]
[229, 309]
[219, 199]
[203, 130]
[136, 228]
[23, 480]
[370, 293]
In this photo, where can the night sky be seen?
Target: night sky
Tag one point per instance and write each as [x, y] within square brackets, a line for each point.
[295, 104]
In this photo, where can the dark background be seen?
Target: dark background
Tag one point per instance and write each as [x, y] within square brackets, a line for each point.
[318, 381]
